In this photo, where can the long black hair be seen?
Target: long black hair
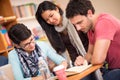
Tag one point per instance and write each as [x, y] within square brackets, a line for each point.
[51, 33]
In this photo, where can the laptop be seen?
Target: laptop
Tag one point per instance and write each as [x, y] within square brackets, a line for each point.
[8, 71]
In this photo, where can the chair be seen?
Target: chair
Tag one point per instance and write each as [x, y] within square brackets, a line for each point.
[3, 60]
[7, 69]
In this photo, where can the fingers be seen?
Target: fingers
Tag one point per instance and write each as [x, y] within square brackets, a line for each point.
[79, 61]
[64, 63]
[85, 62]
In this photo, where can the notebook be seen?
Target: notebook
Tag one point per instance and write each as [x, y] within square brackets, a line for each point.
[77, 69]
[8, 71]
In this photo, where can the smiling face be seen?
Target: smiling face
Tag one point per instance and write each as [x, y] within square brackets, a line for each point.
[28, 44]
[81, 23]
[52, 17]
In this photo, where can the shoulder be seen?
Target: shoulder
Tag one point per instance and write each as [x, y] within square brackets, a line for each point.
[107, 19]
[12, 56]
[105, 16]
[42, 43]
[12, 53]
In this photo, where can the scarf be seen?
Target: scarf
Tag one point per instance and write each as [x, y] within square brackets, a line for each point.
[29, 62]
[73, 35]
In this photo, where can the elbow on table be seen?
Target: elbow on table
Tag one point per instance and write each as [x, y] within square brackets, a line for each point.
[97, 61]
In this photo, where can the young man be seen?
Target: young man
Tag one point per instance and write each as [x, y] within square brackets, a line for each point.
[104, 34]
[24, 58]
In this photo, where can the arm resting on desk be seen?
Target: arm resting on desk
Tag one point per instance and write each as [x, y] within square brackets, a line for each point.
[85, 72]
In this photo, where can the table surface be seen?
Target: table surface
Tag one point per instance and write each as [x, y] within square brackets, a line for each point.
[81, 75]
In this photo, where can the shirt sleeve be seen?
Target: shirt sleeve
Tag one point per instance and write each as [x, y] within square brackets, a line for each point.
[105, 29]
[16, 67]
[51, 53]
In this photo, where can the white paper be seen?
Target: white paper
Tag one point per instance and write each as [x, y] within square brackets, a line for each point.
[78, 69]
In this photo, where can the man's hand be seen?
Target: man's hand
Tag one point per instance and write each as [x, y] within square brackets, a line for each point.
[80, 61]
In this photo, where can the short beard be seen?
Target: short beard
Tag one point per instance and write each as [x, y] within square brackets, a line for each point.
[89, 28]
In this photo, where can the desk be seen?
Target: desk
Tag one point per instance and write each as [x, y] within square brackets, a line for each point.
[84, 73]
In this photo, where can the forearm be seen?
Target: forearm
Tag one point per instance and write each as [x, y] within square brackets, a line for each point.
[89, 53]
[88, 57]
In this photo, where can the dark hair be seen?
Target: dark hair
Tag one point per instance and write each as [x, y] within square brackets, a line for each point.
[19, 32]
[46, 5]
[51, 33]
[78, 7]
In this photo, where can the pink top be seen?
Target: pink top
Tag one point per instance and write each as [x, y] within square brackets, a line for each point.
[108, 27]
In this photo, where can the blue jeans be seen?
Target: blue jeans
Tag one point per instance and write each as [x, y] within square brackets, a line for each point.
[89, 77]
[108, 74]
[113, 74]
[3, 60]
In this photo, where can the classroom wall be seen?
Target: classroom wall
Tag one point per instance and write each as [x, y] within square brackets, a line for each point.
[108, 6]
[62, 3]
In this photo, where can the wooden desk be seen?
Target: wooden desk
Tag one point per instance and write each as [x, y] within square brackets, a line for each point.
[84, 73]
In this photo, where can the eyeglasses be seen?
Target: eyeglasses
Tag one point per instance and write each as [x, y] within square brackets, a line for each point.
[28, 44]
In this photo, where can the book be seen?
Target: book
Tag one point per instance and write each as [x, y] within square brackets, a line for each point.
[32, 8]
[7, 39]
[78, 69]
[22, 10]
[16, 11]
[28, 10]
[3, 41]
[5, 35]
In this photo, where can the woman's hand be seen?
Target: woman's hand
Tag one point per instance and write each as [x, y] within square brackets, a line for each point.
[64, 63]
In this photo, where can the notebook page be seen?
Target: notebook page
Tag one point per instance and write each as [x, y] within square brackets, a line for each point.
[78, 69]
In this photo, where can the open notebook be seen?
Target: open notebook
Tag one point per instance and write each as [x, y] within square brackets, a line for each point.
[8, 71]
[77, 69]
